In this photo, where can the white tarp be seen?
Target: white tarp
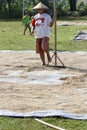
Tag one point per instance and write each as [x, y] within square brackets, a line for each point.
[82, 35]
[41, 114]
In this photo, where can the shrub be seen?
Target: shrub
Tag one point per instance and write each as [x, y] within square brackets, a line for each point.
[82, 9]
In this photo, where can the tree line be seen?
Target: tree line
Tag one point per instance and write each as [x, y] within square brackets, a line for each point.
[14, 8]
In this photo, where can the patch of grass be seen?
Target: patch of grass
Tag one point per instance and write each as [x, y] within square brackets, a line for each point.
[68, 124]
[65, 42]
[12, 38]
[9, 123]
[65, 37]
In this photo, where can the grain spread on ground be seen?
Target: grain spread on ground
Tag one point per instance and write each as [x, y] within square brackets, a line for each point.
[19, 92]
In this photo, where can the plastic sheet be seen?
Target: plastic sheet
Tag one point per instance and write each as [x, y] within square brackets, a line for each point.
[43, 114]
[82, 35]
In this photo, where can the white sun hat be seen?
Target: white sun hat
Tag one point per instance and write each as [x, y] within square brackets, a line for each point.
[40, 5]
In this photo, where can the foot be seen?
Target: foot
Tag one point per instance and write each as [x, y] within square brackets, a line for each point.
[43, 64]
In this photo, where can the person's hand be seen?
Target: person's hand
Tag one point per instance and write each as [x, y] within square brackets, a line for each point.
[32, 32]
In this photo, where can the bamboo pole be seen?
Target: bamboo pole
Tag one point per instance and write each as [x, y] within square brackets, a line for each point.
[55, 37]
[55, 34]
[49, 125]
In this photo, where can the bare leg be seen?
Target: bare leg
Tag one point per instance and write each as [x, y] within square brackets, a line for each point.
[45, 46]
[42, 56]
[29, 29]
[48, 57]
[25, 30]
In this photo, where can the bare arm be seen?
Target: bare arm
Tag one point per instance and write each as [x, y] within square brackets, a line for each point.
[33, 26]
[32, 30]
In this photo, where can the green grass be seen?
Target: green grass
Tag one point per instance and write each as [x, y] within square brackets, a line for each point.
[65, 35]
[12, 38]
[30, 124]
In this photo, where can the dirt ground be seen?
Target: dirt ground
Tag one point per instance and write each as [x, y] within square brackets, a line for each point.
[69, 23]
[16, 94]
